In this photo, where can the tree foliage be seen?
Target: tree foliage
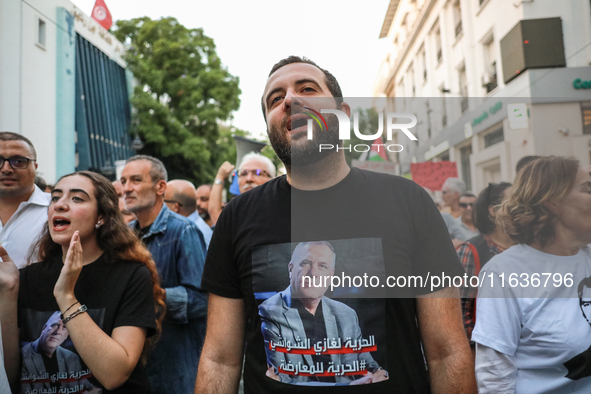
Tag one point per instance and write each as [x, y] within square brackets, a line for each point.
[368, 124]
[183, 93]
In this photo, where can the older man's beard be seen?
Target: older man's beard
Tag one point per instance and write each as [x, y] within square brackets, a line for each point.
[304, 154]
[145, 202]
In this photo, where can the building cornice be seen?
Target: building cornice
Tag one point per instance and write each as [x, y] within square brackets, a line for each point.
[392, 7]
[423, 16]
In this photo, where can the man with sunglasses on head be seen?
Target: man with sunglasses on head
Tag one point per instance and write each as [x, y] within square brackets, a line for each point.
[254, 170]
[23, 206]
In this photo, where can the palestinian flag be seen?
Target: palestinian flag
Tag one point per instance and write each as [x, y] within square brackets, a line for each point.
[378, 155]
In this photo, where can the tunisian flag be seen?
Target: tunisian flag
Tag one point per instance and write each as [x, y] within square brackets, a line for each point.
[101, 14]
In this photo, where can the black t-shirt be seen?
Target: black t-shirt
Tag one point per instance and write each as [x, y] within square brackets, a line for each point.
[116, 294]
[376, 224]
[142, 231]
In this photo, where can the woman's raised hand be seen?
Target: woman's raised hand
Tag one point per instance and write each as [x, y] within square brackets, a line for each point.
[9, 274]
[64, 287]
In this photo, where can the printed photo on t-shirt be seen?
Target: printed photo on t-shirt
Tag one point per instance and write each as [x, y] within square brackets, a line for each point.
[579, 366]
[50, 363]
[318, 323]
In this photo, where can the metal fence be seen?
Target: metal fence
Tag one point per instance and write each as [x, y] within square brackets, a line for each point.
[103, 112]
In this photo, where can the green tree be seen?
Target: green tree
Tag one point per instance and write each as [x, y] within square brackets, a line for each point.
[227, 150]
[368, 124]
[183, 93]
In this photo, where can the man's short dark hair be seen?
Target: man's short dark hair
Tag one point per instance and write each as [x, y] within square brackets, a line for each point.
[491, 196]
[524, 161]
[10, 136]
[157, 170]
[330, 80]
[586, 282]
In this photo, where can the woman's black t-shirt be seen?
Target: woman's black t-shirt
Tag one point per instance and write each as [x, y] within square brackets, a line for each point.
[117, 294]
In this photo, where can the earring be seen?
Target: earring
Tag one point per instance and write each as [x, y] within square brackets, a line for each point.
[98, 224]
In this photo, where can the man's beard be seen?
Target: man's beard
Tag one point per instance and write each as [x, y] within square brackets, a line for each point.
[308, 153]
[204, 215]
[147, 202]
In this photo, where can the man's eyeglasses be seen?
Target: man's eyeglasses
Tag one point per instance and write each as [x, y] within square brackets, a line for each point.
[466, 204]
[16, 162]
[244, 173]
[173, 202]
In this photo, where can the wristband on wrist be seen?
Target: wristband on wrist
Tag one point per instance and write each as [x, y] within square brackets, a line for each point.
[70, 307]
[79, 311]
[218, 181]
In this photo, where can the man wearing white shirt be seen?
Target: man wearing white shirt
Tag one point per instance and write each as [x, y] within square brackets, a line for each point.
[180, 198]
[23, 206]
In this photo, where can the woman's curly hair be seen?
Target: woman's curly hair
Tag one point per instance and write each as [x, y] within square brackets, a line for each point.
[116, 240]
[526, 216]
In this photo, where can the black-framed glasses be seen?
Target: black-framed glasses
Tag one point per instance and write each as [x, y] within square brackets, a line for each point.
[16, 162]
[466, 204]
[257, 172]
[174, 202]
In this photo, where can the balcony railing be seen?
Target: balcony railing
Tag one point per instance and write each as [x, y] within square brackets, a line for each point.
[492, 83]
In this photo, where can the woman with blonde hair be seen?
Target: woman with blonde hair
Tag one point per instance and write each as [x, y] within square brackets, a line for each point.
[533, 330]
[92, 308]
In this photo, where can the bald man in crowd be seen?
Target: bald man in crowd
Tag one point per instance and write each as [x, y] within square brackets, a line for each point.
[180, 198]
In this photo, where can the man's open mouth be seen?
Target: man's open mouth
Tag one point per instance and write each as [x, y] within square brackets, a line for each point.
[297, 123]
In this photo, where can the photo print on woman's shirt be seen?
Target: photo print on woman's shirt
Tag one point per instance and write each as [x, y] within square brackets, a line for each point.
[50, 363]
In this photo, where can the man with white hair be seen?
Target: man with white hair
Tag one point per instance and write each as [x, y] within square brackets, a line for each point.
[451, 191]
[254, 170]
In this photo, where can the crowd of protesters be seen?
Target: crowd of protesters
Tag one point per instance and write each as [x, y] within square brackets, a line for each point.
[121, 260]
[119, 286]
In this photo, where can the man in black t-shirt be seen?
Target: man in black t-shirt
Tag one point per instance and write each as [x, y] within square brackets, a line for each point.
[319, 200]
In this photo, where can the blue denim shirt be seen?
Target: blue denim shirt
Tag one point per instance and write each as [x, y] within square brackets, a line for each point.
[178, 249]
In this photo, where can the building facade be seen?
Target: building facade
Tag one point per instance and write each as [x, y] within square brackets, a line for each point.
[63, 85]
[490, 81]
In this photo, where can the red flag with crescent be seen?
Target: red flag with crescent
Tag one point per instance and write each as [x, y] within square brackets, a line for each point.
[101, 14]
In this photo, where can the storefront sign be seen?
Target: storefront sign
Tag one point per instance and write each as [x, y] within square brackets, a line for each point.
[580, 84]
[518, 116]
[436, 150]
[492, 110]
